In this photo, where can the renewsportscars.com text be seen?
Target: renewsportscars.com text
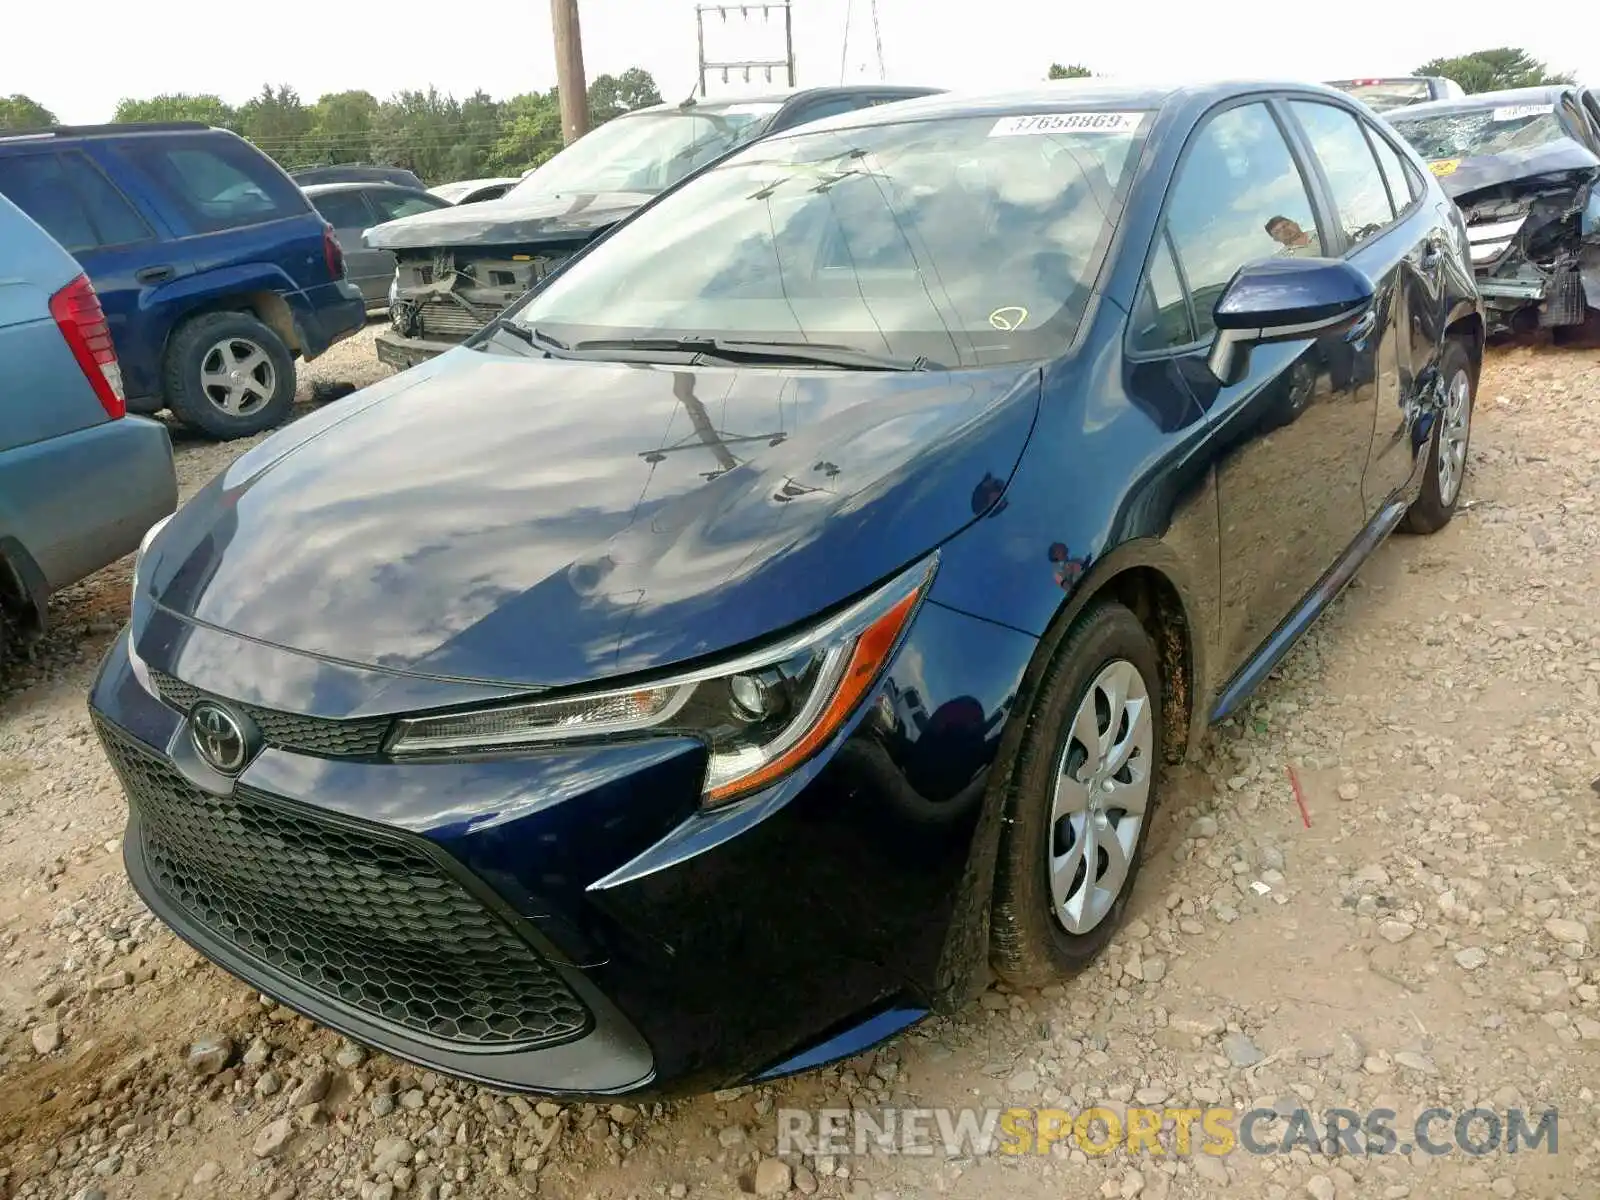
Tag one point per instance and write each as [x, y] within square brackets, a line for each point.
[959, 1133]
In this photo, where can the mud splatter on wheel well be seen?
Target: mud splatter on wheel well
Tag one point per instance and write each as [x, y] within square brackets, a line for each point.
[1153, 599]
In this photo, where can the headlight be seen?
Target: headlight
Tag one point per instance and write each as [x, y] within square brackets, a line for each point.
[144, 545]
[761, 715]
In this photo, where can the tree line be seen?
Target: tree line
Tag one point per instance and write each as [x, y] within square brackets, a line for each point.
[434, 134]
[1480, 71]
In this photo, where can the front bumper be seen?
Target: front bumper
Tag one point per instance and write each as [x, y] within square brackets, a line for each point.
[664, 950]
[401, 352]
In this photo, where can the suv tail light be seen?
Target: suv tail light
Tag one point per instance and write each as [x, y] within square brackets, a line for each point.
[82, 322]
[332, 253]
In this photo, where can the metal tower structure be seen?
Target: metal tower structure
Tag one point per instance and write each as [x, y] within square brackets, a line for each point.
[766, 10]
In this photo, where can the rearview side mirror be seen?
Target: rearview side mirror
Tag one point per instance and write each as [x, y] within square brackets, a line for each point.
[1280, 300]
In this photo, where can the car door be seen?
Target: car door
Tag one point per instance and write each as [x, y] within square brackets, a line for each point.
[1289, 440]
[65, 192]
[1401, 257]
[347, 210]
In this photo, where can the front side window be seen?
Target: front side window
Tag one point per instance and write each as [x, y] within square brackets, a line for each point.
[1239, 198]
[1359, 192]
[219, 184]
[1161, 314]
[646, 151]
[962, 240]
[392, 208]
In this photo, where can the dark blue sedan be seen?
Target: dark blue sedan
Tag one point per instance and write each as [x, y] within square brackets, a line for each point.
[778, 621]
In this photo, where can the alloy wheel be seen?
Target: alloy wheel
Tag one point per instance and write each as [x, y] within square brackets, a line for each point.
[237, 376]
[1456, 425]
[1101, 793]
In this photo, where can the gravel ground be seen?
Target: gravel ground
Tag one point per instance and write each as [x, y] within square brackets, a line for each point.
[1422, 936]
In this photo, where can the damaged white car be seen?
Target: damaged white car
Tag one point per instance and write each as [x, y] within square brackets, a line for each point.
[1524, 167]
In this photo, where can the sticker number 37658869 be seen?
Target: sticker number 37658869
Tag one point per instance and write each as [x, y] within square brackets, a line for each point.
[1067, 122]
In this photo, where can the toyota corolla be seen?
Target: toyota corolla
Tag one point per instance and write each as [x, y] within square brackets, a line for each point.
[776, 623]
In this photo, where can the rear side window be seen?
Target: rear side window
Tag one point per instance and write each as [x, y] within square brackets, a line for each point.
[343, 210]
[1352, 171]
[218, 183]
[1402, 183]
[71, 199]
[392, 208]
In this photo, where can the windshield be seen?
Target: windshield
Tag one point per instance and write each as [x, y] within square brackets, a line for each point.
[1481, 131]
[972, 240]
[1383, 94]
[646, 152]
[452, 191]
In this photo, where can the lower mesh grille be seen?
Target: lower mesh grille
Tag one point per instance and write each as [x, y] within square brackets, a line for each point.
[357, 915]
[290, 731]
[446, 318]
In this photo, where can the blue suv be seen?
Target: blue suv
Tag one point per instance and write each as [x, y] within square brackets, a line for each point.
[212, 267]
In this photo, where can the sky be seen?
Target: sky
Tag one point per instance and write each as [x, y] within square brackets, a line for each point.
[316, 46]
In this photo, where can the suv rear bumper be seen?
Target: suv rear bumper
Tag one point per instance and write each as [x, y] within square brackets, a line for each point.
[401, 352]
[333, 311]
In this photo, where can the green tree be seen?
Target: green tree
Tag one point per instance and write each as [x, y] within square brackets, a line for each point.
[19, 112]
[419, 130]
[342, 127]
[1074, 71]
[530, 134]
[177, 106]
[1492, 70]
[478, 132]
[613, 95]
[277, 122]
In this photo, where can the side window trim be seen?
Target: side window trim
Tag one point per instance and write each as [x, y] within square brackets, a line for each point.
[1315, 185]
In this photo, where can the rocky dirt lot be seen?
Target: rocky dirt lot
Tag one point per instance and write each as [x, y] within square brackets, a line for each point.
[1427, 939]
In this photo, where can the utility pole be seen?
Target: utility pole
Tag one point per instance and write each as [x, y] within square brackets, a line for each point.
[570, 81]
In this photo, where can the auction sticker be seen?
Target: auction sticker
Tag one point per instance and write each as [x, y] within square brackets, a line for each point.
[1067, 122]
[1444, 166]
[1515, 112]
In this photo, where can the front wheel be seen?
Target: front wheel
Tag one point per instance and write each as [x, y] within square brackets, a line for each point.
[1080, 799]
[1447, 446]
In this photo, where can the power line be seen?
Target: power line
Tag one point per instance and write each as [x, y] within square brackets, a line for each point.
[844, 48]
[877, 39]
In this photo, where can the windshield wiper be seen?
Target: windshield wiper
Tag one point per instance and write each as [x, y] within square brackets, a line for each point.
[535, 337]
[737, 350]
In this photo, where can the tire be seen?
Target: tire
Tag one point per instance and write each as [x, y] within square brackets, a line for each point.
[259, 387]
[1031, 944]
[1441, 486]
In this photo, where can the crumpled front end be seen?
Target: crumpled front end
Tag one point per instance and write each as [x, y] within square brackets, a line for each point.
[1536, 249]
[442, 296]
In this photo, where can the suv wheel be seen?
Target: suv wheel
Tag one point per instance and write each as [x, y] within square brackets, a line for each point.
[229, 375]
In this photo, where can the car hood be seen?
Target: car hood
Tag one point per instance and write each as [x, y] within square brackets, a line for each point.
[510, 220]
[536, 522]
[1553, 158]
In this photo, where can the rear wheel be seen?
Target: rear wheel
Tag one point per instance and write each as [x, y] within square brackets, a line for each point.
[229, 375]
[1447, 445]
[1080, 800]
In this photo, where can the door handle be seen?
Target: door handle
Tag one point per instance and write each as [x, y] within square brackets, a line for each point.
[1362, 329]
[154, 274]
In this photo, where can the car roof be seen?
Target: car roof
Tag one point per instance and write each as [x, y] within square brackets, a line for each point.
[354, 185]
[1066, 95]
[128, 129]
[1547, 94]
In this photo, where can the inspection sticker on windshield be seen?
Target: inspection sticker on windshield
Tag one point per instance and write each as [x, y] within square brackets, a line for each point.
[1515, 112]
[1444, 166]
[1068, 122]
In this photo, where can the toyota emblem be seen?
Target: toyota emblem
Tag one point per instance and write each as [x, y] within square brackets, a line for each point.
[218, 736]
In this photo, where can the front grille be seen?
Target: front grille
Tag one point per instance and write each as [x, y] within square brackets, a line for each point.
[322, 736]
[364, 917]
[446, 318]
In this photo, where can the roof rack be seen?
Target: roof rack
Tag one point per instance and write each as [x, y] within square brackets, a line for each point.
[97, 130]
